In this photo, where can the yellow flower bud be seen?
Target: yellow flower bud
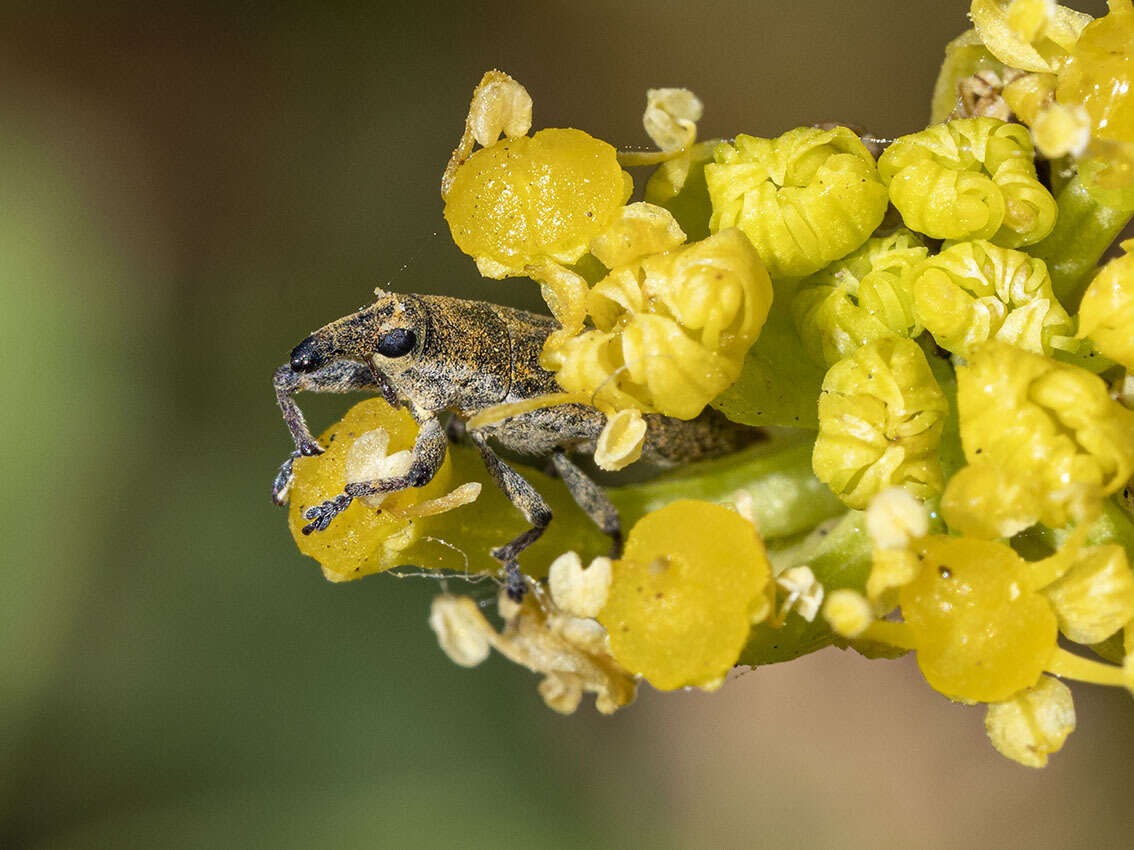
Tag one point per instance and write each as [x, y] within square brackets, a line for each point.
[805, 198]
[848, 612]
[881, 415]
[861, 297]
[1106, 313]
[1048, 424]
[972, 178]
[1032, 724]
[975, 291]
[579, 592]
[461, 629]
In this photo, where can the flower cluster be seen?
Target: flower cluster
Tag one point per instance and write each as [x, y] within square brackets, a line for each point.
[931, 324]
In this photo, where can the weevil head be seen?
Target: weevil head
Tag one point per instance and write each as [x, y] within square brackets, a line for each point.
[393, 327]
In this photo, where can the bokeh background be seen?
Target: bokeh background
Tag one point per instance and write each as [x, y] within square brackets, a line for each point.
[186, 191]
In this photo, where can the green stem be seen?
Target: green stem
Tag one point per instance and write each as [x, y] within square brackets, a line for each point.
[840, 558]
[787, 498]
[1083, 232]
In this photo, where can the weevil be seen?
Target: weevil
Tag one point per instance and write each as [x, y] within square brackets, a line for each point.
[434, 354]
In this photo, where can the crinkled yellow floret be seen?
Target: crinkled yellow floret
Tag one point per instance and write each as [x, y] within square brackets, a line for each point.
[671, 329]
[684, 593]
[972, 178]
[362, 539]
[534, 198]
[1050, 425]
[981, 631]
[1106, 314]
[881, 414]
[805, 198]
[861, 297]
[1032, 724]
[975, 291]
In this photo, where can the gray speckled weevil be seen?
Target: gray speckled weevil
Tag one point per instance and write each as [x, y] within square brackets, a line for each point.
[433, 354]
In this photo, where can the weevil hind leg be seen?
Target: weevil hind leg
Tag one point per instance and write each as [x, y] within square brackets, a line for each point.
[591, 498]
[527, 501]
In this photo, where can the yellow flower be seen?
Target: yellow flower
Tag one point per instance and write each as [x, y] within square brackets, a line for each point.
[880, 419]
[362, 539]
[452, 523]
[972, 178]
[1051, 426]
[671, 329]
[683, 595]
[861, 297]
[975, 291]
[982, 627]
[804, 199]
[1106, 313]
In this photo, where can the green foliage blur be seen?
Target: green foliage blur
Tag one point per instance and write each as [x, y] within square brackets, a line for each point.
[187, 191]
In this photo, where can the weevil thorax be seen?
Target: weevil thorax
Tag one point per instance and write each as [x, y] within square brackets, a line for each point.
[461, 359]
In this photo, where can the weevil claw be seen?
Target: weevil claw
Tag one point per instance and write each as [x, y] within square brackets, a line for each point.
[322, 514]
[514, 583]
[281, 484]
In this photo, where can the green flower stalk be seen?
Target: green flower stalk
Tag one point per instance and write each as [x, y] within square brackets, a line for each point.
[935, 472]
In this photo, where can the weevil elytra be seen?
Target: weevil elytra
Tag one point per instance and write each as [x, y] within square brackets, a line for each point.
[433, 354]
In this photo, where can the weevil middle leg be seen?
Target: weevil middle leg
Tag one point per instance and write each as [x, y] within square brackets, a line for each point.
[591, 498]
[527, 500]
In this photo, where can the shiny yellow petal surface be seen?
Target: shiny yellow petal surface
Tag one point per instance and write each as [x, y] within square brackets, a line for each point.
[683, 595]
[534, 197]
[981, 633]
[361, 540]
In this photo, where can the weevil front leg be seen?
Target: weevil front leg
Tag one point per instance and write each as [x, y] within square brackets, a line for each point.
[591, 498]
[426, 458]
[527, 500]
[339, 376]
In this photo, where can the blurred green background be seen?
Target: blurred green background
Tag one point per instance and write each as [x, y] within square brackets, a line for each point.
[186, 192]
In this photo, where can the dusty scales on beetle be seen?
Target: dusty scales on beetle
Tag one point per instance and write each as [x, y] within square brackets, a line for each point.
[433, 354]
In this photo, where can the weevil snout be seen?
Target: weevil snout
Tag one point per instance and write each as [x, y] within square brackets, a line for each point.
[308, 356]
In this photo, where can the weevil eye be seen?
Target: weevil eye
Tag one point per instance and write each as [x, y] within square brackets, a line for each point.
[397, 343]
